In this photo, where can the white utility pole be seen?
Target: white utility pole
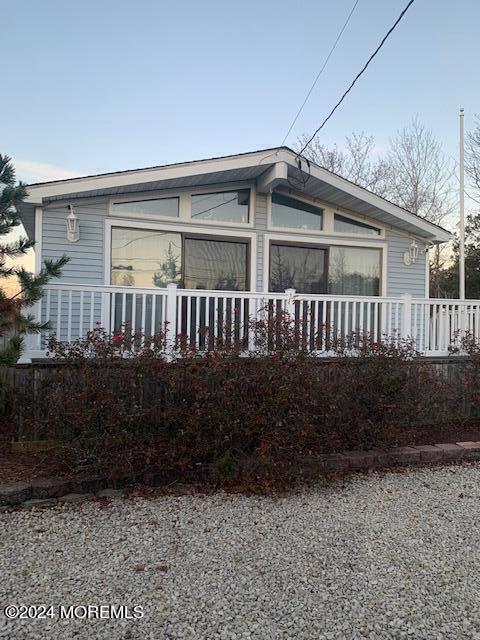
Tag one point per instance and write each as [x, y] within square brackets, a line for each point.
[461, 288]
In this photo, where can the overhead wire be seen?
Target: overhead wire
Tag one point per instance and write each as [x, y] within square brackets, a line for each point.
[325, 62]
[357, 77]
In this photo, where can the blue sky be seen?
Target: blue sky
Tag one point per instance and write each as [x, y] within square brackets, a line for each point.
[94, 86]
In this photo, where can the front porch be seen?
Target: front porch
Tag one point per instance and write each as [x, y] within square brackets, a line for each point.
[199, 315]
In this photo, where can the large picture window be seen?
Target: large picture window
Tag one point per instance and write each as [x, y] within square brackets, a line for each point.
[215, 264]
[289, 213]
[299, 268]
[225, 206]
[147, 258]
[354, 271]
[351, 270]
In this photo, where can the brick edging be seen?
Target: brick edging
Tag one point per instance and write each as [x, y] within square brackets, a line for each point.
[399, 456]
[42, 492]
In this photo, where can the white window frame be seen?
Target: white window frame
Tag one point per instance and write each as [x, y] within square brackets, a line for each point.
[185, 209]
[143, 198]
[327, 219]
[326, 241]
[177, 228]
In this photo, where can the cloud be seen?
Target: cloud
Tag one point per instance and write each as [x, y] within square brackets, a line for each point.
[30, 171]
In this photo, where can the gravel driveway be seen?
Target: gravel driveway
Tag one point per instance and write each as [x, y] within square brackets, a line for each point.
[373, 557]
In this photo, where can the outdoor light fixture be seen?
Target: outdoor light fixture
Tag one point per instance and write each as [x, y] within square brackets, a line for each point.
[73, 231]
[411, 254]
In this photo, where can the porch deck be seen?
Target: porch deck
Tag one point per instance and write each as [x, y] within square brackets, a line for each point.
[433, 324]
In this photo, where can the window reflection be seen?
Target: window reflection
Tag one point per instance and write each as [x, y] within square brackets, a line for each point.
[354, 271]
[214, 264]
[299, 268]
[294, 214]
[227, 206]
[145, 258]
[347, 225]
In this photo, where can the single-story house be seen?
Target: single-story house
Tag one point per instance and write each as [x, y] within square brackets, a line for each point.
[204, 243]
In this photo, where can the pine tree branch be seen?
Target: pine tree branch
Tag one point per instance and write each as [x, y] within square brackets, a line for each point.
[32, 286]
[16, 249]
[7, 172]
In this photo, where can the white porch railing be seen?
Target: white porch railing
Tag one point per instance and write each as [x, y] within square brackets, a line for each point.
[72, 310]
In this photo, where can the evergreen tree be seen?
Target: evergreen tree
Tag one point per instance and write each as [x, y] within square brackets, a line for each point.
[169, 271]
[15, 318]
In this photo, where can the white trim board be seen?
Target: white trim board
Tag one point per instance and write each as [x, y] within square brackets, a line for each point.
[38, 238]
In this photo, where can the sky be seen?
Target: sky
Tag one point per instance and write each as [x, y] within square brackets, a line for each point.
[106, 85]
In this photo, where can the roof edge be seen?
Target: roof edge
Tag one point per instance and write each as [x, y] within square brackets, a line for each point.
[160, 166]
[282, 153]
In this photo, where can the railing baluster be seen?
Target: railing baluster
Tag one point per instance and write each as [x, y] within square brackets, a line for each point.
[113, 309]
[152, 316]
[134, 313]
[369, 327]
[241, 321]
[414, 329]
[397, 328]
[48, 305]
[144, 311]
[80, 320]
[441, 328]
[324, 328]
[188, 328]
[69, 319]
[59, 312]
[124, 311]
[92, 310]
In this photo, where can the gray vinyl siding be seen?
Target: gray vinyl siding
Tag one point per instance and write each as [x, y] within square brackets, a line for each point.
[260, 227]
[86, 256]
[402, 278]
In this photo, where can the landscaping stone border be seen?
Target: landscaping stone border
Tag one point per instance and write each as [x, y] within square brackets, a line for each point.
[44, 492]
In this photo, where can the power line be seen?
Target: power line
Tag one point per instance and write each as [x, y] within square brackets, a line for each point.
[360, 73]
[321, 71]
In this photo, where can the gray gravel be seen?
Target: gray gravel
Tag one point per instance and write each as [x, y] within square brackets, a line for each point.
[394, 556]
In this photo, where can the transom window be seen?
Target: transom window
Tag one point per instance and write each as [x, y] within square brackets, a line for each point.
[149, 258]
[224, 206]
[335, 269]
[342, 224]
[293, 214]
[168, 207]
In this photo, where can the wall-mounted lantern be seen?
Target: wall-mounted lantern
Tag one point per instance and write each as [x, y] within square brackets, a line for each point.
[73, 229]
[411, 254]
